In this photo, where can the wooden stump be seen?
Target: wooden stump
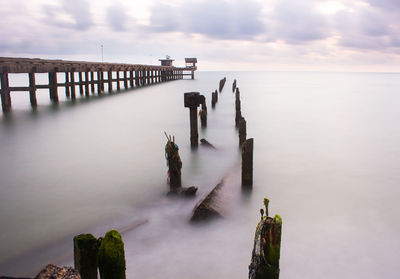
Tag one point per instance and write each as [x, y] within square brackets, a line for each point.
[242, 131]
[267, 247]
[85, 255]
[247, 163]
[111, 256]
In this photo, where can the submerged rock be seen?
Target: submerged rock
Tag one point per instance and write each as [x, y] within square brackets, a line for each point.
[267, 245]
[208, 208]
[52, 271]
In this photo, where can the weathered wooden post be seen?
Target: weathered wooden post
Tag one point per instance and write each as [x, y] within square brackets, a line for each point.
[203, 111]
[216, 96]
[267, 247]
[80, 83]
[242, 131]
[174, 163]
[111, 256]
[99, 82]
[118, 81]
[85, 255]
[72, 84]
[67, 85]
[87, 94]
[192, 101]
[238, 112]
[247, 163]
[5, 91]
[125, 80]
[131, 78]
[110, 85]
[92, 81]
[32, 89]
[213, 100]
[234, 86]
[53, 86]
[221, 84]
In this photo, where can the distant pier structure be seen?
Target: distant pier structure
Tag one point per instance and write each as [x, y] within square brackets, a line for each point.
[84, 77]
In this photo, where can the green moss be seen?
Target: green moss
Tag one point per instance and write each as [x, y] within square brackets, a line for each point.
[111, 256]
[85, 255]
[278, 219]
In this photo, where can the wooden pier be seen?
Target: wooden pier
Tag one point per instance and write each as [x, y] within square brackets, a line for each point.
[85, 77]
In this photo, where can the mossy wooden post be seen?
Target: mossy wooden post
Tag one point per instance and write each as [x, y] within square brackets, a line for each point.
[111, 256]
[174, 163]
[247, 163]
[267, 247]
[85, 255]
[192, 101]
[242, 131]
[234, 86]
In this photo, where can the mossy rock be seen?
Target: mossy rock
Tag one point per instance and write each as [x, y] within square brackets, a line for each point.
[111, 256]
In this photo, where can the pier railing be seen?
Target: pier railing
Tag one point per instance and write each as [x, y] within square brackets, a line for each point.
[87, 77]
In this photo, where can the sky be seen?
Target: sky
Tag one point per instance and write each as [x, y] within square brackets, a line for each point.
[282, 35]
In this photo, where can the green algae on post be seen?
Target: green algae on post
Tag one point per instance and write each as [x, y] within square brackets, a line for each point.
[85, 255]
[111, 256]
[267, 247]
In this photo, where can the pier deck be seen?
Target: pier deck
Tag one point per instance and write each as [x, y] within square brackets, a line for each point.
[87, 77]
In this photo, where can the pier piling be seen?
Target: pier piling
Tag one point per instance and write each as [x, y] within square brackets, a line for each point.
[242, 131]
[85, 255]
[32, 90]
[247, 164]
[192, 100]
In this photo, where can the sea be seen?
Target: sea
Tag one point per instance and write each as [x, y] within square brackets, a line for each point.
[326, 155]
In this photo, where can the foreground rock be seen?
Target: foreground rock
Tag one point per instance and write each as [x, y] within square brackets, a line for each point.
[52, 271]
[267, 246]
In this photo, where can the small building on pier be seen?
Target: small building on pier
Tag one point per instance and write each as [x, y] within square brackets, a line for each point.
[167, 61]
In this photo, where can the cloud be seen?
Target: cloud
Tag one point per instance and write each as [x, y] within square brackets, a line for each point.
[235, 20]
[299, 22]
[74, 14]
[117, 17]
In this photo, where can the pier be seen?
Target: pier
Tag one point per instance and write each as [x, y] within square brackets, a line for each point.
[85, 77]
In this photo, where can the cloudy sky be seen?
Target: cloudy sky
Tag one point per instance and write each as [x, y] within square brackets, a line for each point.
[338, 35]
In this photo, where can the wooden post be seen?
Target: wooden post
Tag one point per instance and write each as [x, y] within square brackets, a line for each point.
[32, 90]
[234, 85]
[125, 80]
[174, 163]
[67, 85]
[203, 111]
[99, 82]
[216, 96]
[80, 84]
[242, 131]
[110, 86]
[111, 256]
[85, 255]
[102, 80]
[267, 247]
[247, 163]
[192, 100]
[213, 100]
[87, 94]
[5, 92]
[73, 95]
[131, 79]
[118, 81]
[92, 82]
[53, 86]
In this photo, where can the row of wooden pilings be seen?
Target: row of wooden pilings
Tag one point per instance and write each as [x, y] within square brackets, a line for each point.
[87, 77]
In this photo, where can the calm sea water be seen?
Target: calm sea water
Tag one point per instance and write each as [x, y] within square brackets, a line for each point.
[327, 155]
